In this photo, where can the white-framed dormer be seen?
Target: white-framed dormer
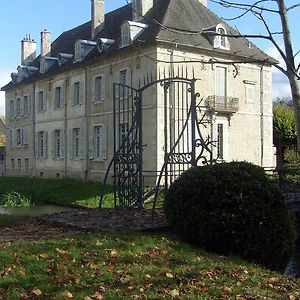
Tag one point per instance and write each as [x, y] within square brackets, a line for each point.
[221, 39]
[82, 49]
[130, 31]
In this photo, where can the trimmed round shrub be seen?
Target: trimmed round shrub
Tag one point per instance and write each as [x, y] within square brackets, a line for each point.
[232, 208]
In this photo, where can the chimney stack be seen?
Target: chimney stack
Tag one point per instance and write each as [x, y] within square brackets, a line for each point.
[140, 8]
[45, 43]
[97, 16]
[204, 2]
[28, 50]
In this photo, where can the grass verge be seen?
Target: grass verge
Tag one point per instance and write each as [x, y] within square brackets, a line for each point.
[132, 266]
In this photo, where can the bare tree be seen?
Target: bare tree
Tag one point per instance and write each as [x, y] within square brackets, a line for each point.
[261, 10]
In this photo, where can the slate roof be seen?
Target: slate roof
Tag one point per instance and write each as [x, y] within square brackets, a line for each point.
[162, 20]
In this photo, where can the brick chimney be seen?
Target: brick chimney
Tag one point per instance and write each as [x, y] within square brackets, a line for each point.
[28, 50]
[45, 43]
[140, 8]
[97, 16]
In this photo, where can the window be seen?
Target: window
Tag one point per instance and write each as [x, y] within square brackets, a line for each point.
[123, 132]
[19, 137]
[11, 141]
[220, 141]
[41, 104]
[124, 80]
[99, 88]
[250, 92]
[76, 93]
[99, 136]
[19, 166]
[42, 144]
[76, 142]
[221, 81]
[26, 106]
[26, 166]
[18, 108]
[222, 40]
[57, 144]
[11, 109]
[57, 97]
[12, 165]
[125, 32]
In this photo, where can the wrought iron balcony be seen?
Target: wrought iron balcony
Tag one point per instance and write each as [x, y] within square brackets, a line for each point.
[222, 103]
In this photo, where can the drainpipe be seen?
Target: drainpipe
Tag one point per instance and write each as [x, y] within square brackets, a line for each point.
[262, 115]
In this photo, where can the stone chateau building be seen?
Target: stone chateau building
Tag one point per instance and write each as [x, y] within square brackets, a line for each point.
[59, 103]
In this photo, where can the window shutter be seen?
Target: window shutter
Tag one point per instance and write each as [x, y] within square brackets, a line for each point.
[45, 98]
[22, 107]
[36, 145]
[25, 135]
[46, 144]
[102, 87]
[21, 136]
[53, 154]
[104, 142]
[81, 92]
[15, 137]
[62, 143]
[62, 96]
[72, 92]
[70, 139]
[91, 142]
[93, 90]
[129, 79]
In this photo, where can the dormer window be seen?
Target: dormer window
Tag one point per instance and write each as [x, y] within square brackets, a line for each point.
[125, 32]
[130, 31]
[221, 40]
[47, 63]
[83, 48]
[217, 35]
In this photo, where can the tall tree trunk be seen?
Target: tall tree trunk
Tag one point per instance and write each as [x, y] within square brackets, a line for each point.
[290, 67]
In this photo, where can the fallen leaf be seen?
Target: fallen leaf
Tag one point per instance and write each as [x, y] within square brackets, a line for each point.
[227, 290]
[98, 296]
[37, 292]
[169, 275]
[68, 294]
[147, 277]
[174, 293]
[63, 252]
[87, 298]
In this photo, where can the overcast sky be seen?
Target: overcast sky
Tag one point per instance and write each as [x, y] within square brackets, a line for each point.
[21, 17]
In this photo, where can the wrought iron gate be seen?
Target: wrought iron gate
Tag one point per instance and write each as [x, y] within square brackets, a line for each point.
[182, 117]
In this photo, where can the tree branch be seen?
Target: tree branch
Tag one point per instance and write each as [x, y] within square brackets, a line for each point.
[293, 6]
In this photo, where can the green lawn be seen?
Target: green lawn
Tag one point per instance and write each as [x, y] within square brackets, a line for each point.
[132, 266]
[67, 192]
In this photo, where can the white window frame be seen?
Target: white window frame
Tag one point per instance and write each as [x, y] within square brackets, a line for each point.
[76, 93]
[42, 140]
[26, 108]
[19, 166]
[250, 91]
[26, 166]
[58, 97]
[11, 109]
[18, 107]
[127, 82]
[58, 143]
[76, 145]
[99, 142]
[217, 80]
[99, 90]
[41, 101]
[220, 41]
